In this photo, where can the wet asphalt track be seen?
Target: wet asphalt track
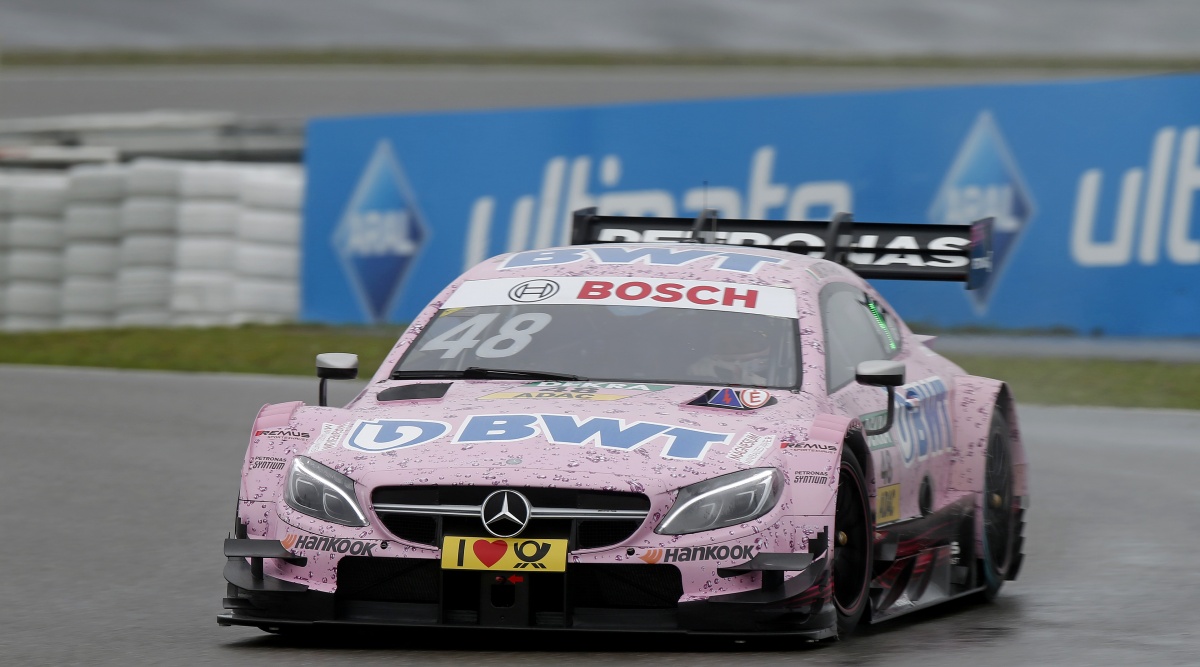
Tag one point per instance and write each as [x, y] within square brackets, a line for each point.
[117, 489]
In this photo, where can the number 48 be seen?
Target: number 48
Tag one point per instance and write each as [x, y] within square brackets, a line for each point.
[512, 337]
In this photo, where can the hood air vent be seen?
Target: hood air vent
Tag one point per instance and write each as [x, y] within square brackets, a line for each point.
[413, 392]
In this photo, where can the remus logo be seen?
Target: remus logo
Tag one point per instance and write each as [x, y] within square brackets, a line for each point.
[985, 181]
[380, 234]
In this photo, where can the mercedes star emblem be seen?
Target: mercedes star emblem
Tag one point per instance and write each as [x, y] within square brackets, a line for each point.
[505, 513]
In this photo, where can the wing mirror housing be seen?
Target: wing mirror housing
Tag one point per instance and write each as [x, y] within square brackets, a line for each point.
[334, 366]
[886, 374]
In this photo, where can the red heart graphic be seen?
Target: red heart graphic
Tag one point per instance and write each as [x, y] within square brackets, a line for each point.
[489, 553]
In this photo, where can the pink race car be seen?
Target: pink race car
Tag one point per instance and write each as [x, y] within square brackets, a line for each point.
[675, 425]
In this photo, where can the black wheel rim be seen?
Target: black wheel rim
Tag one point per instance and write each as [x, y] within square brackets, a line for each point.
[850, 559]
[998, 515]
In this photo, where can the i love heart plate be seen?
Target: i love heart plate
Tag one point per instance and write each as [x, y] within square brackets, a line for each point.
[495, 553]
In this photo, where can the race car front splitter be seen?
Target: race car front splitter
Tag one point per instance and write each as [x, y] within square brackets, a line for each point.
[584, 596]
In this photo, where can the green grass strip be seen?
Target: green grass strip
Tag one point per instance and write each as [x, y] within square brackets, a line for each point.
[290, 350]
[551, 58]
[1127, 384]
[284, 350]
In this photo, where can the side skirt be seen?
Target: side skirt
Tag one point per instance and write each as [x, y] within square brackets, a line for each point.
[924, 561]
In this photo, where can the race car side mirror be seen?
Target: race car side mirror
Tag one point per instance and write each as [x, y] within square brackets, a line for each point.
[334, 366]
[886, 374]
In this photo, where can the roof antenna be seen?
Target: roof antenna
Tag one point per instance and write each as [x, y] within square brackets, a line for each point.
[840, 228]
[698, 235]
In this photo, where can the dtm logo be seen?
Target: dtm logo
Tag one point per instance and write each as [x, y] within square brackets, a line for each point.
[380, 234]
[984, 181]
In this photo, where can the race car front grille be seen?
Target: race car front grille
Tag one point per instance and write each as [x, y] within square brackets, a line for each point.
[596, 534]
[388, 579]
[618, 586]
[413, 528]
[590, 519]
[553, 595]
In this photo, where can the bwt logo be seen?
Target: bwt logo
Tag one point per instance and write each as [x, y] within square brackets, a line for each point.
[380, 234]
[544, 220]
[1142, 206]
[984, 181]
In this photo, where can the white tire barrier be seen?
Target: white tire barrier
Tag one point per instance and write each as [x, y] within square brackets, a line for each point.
[89, 295]
[6, 188]
[96, 183]
[147, 250]
[266, 297]
[5, 202]
[148, 214]
[38, 195]
[154, 317]
[153, 178]
[26, 298]
[208, 218]
[152, 243]
[30, 232]
[14, 322]
[218, 181]
[203, 253]
[40, 265]
[279, 227]
[280, 190]
[143, 288]
[85, 321]
[93, 221]
[202, 292]
[261, 260]
[91, 259]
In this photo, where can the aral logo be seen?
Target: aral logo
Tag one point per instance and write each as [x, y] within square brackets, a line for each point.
[380, 234]
[984, 182]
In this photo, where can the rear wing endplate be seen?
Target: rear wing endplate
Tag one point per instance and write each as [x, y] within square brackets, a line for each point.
[873, 250]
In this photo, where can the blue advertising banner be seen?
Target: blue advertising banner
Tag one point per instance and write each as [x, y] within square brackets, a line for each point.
[1092, 183]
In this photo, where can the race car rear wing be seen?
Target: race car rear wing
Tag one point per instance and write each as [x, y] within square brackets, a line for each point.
[873, 250]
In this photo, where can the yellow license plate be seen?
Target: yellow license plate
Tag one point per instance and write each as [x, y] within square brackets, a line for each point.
[507, 554]
[887, 504]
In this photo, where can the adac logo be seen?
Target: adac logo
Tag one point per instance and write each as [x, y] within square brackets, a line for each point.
[984, 181]
[380, 234]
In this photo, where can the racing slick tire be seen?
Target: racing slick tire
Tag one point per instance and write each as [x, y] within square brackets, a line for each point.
[1000, 518]
[853, 539]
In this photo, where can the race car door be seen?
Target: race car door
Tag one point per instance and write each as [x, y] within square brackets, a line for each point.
[857, 328]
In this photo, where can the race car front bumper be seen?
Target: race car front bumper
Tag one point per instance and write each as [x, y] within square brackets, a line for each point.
[640, 597]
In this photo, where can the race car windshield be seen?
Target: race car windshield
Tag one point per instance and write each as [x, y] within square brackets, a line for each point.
[612, 343]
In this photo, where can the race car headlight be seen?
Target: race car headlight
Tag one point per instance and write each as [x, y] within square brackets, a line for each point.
[322, 492]
[723, 501]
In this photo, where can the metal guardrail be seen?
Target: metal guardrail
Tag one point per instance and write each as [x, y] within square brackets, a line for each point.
[203, 135]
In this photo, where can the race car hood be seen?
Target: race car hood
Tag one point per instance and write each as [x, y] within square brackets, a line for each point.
[617, 435]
